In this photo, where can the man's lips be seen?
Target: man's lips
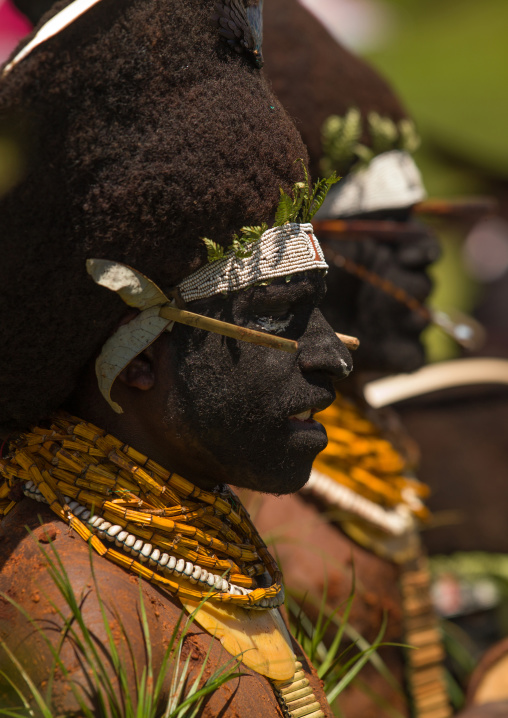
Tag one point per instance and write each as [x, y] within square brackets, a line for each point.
[305, 421]
[306, 416]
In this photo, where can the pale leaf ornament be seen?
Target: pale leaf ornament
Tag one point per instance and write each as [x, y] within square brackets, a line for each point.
[130, 339]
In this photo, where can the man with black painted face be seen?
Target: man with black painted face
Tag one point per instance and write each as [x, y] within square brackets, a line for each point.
[221, 411]
[146, 366]
[357, 126]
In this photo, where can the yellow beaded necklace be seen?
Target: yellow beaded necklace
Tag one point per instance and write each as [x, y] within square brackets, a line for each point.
[359, 457]
[369, 482]
[110, 493]
[186, 540]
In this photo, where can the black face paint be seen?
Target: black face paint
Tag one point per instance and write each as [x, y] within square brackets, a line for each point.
[389, 332]
[232, 401]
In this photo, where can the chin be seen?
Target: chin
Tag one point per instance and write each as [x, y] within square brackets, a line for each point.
[278, 461]
[284, 476]
[289, 482]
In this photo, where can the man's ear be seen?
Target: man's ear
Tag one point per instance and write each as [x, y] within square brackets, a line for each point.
[139, 372]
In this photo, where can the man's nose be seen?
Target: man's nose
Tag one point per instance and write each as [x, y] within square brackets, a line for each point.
[321, 351]
[419, 252]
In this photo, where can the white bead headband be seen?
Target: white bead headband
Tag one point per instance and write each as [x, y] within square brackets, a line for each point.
[279, 252]
[390, 181]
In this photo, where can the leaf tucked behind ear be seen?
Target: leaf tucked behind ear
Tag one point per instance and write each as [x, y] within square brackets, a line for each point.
[134, 288]
[125, 344]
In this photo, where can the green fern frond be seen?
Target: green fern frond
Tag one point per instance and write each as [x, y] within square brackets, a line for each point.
[339, 137]
[241, 246]
[305, 200]
[300, 200]
[253, 234]
[384, 133]
[409, 139]
[340, 140]
[319, 192]
[214, 251]
[352, 127]
[284, 209]
[305, 185]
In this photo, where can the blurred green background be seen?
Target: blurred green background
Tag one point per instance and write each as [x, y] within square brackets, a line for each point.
[449, 60]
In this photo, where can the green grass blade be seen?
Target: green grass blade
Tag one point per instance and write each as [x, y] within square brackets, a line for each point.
[375, 659]
[206, 690]
[22, 698]
[41, 703]
[332, 652]
[361, 660]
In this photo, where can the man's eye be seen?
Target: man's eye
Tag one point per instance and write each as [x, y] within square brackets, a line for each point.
[275, 323]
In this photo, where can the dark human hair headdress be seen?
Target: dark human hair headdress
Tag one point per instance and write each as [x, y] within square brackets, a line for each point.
[140, 131]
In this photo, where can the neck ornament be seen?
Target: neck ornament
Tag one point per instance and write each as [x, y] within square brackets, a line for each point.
[370, 482]
[154, 523]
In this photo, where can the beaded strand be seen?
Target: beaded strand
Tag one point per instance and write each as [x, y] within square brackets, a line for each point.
[162, 562]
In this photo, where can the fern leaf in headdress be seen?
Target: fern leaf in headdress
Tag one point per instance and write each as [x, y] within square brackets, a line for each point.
[298, 207]
[340, 139]
[304, 201]
[240, 246]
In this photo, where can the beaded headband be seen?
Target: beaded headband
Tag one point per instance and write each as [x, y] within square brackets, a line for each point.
[279, 252]
[390, 180]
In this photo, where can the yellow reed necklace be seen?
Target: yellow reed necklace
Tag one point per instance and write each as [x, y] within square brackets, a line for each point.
[170, 533]
[360, 458]
[363, 476]
[137, 514]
